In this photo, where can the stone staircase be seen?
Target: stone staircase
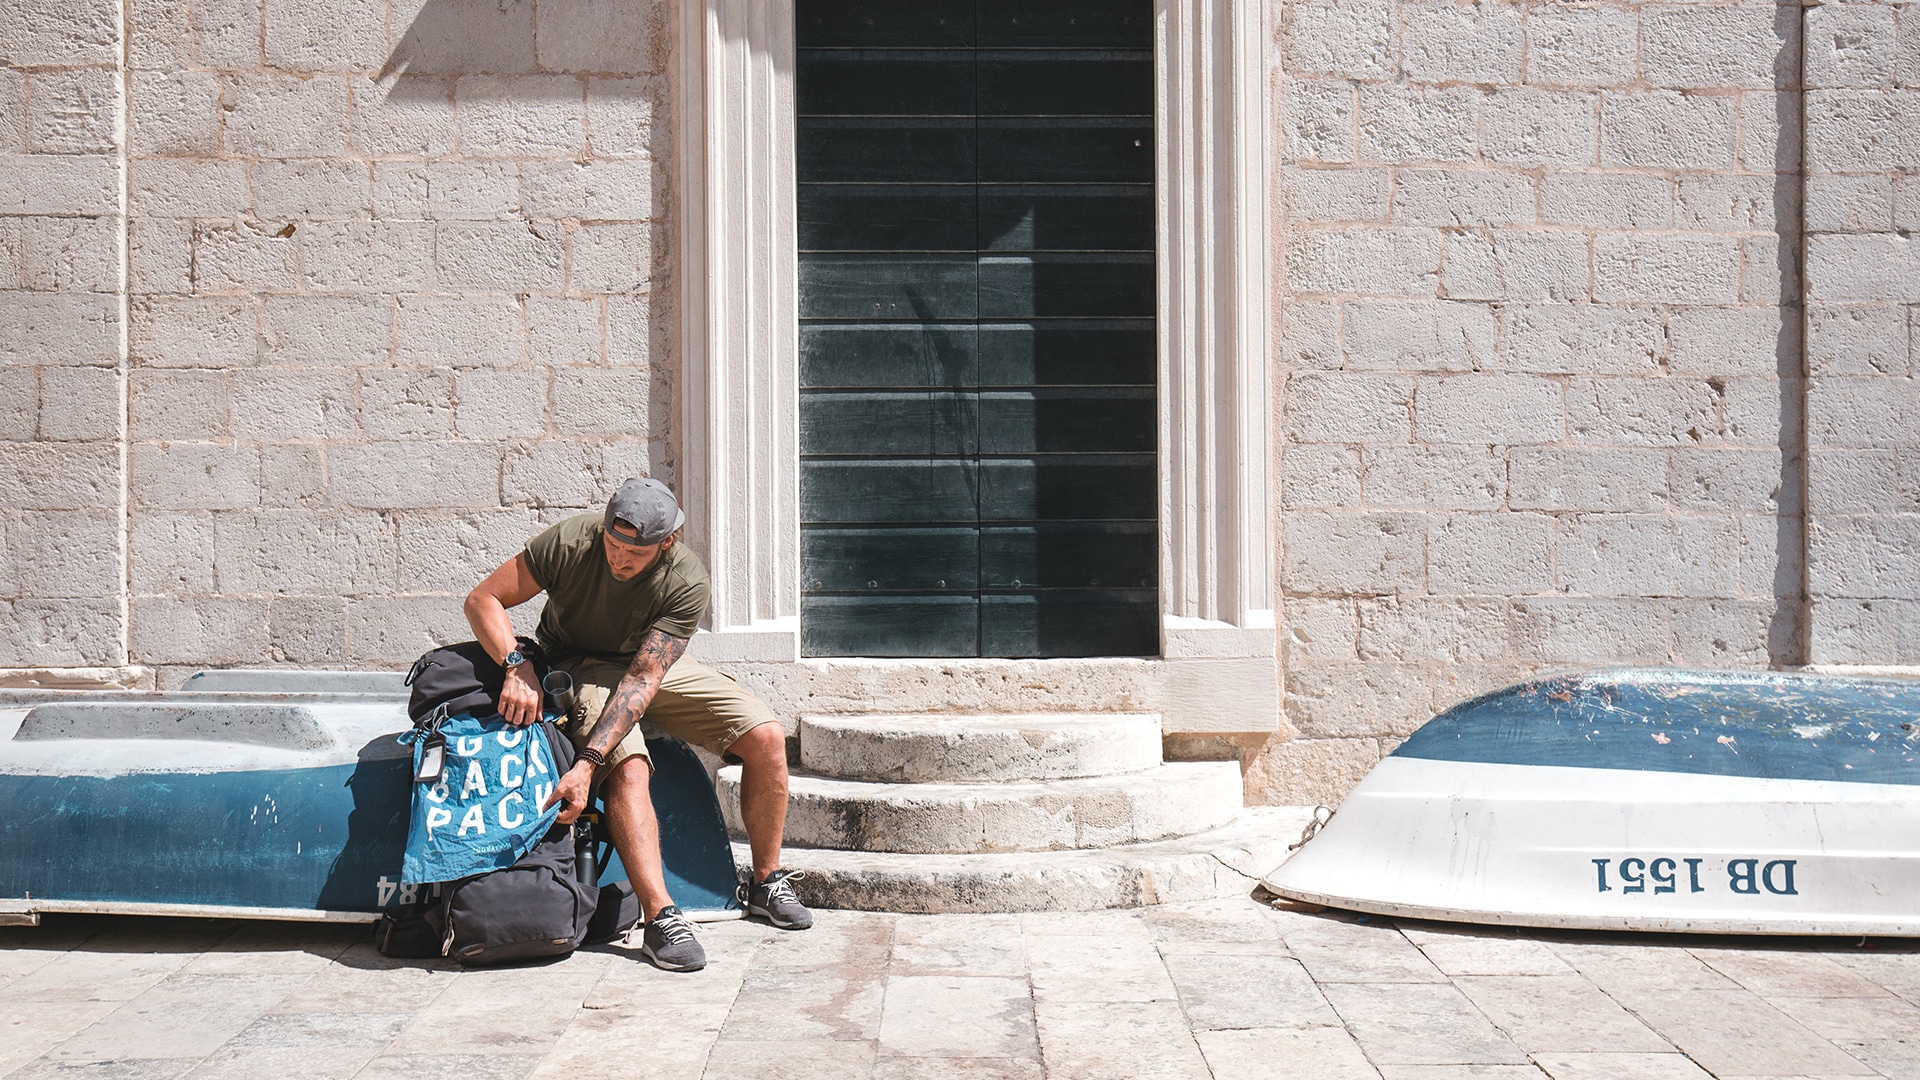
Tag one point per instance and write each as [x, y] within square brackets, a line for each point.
[1042, 812]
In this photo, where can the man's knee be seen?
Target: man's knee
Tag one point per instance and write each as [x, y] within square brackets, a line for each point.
[627, 780]
[765, 744]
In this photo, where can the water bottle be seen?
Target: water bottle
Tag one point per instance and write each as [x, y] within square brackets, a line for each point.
[586, 849]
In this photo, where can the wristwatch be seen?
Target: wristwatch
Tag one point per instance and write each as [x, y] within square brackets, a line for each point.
[514, 659]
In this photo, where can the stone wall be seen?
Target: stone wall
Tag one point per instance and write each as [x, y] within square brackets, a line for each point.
[62, 326]
[395, 295]
[312, 310]
[1863, 289]
[1541, 354]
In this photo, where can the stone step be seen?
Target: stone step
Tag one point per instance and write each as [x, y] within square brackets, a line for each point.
[972, 749]
[1053, 815]
[1227, 861]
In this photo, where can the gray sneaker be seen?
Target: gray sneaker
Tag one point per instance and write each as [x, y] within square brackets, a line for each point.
[774, 901]
[668, 941]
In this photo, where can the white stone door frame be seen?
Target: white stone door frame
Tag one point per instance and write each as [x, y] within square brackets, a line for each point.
[738, 272]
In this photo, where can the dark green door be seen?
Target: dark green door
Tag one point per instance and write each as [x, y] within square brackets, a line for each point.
[977, 419]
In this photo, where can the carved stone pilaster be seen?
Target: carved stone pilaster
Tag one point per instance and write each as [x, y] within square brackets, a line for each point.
[739, 329]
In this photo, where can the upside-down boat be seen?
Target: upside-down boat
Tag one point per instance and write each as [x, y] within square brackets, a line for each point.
[257, 794]
[1641, 800]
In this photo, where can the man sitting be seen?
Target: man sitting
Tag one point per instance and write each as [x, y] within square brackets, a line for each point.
[623, 597]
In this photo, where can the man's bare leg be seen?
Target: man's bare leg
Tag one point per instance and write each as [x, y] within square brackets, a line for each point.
[636, 832]
[763, 793]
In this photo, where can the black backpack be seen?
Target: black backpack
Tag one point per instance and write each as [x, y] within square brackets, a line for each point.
[534, 909]
[538, 907]
[464, 679]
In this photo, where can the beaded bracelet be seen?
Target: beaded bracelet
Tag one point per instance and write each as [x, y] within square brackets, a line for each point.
[589, 753]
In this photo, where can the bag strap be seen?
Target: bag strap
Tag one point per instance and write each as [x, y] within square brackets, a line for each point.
[419, 667]
[424, 728]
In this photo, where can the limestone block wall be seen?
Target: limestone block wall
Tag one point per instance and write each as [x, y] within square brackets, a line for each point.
[1863, 287]
[312, 310]
[395, 295]
[62, 326]
[1540, 350]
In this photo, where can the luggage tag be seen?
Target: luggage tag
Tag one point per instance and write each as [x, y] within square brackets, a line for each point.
[433, 760]
[433, 752]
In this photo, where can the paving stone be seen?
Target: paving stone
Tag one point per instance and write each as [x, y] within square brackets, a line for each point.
[1275, 951]
[1626, 971]
[1736, 1033]
[1112, 967]
[1217, 922]
[1788, 974]
[1341, 952]
[1079, 923]
[1462, 1073]
[1319, 1053]
[807, 1004]
[1420, 1025]
[818, 1059]
[1851, 1019]
[1118, 1040]
[160, 935]
[1616, 1066]
[633, 980]
[1202, 989]
[309, 1063]
[1246, 991]
[181, 1016]
[1898, 972]
[277, 948]
[958, 1016]
[30, 1029]
[449, 1066]
[1457, 952]
[888, 1067]
[837, 937]
[360, 975]
[1894, 1056]
[661, 1039]
[506, 1012]
[122, 1069]
[307, 1030]
[958, 945]
[1558, 1013]
[26, 949]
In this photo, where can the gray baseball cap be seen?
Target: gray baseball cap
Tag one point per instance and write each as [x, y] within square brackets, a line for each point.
[643, 511]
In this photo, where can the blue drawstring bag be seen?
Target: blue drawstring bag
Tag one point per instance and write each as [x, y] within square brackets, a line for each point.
[482, 811]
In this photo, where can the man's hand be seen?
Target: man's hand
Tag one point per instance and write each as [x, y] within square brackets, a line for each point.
[509, 586]
[572, 792]
[520, 697]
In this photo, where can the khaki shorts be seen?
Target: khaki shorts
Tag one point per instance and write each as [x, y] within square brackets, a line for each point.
[694, 704]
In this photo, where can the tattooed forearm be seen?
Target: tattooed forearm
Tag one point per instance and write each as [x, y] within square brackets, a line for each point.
[658, 651]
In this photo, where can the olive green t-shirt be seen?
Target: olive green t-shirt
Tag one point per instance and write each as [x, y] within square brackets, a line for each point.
[592, 613]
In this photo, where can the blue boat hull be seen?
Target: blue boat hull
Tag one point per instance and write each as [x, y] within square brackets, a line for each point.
[319, 840]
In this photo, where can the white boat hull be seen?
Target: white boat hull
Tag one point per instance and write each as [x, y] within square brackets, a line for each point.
[1617, 849]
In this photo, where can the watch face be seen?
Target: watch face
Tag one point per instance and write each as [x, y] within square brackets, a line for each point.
[514, 659]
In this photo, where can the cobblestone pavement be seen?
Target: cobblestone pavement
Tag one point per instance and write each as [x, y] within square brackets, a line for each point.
[1226, 989]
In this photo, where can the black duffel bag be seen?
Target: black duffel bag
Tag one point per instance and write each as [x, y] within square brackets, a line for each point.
[464, 679]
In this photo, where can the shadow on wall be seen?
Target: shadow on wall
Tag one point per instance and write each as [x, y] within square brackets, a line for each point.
[608, 41]
[1788, 630]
